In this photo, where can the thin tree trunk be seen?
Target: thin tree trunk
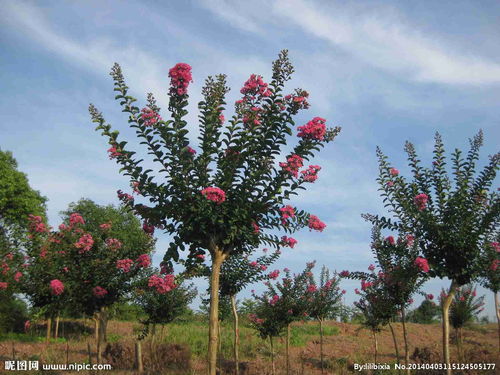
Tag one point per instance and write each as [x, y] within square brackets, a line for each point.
[497, 309]
[219, 342]
[217, 259]
[446, 326]
[375, 343]
[395, 342]
[138, 357]
[273, 368]
[405, 336]
[236, 336]
[321, 345]
[103, 324]
[56, 333]
[49, 329]
[288, 349]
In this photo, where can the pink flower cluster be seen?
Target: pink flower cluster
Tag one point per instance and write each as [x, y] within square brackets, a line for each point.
[124, 197]
[311, 288]
[214, 194]
[394, 172]
[144, 260]
[289, 241]
[390, 240]
[371, 267]
[105, 226]
[495, 246]
[253, 318]
[56, 287]
[148, 228]
[190, 150]
[180, 76]
[286, 213]
[99, 292]
[113, 244]
[315, 223]
[495, 264]
[36, 224]
[314, 129]
[85, 243]
[256, 228]
[344, 273]
[410, 240]
[76, 218]
[292, 165]
[162, 284]
[252, 117]
[422, 264]
[274, 275]
[274, 300]
[366, 284]
[297, 101]
[113, 152]
[421, 201]
[124, 264]
[149, 116]
[255, 86]
[311, 173]
[3, 285]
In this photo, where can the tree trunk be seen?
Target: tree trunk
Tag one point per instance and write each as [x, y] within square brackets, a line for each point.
[49, 329]
[395, 342]
[138, 357]
[405, 336]
[236, 336]
[56, 333]
[375, 345]
[497, 309]
[446, 326]
[321, 345]
[217, 259]
[288, 349]
[103, 324]
[273, 367]
[219, 343]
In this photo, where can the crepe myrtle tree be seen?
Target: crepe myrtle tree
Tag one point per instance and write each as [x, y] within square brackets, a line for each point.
[376, 308]
[401, 272]
[289, 299]
[211, 200]
[464, 308]
[325, 301]
[163, 298]
[450, 217]
[490, 276]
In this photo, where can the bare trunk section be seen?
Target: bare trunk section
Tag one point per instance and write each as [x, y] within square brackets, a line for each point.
[321, 345]
[288, 349]
[405, 336]
[217, 259]
[49, 329]
[497, 309]
[395, 342]
[273, 367]
[236, 336]
[446, 326]
[138, 357]
[375, 345]
[56, 333]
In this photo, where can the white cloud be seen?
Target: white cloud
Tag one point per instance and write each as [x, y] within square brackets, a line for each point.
[381, 38]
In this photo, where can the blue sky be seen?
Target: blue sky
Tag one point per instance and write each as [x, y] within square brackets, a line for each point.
[386, 72]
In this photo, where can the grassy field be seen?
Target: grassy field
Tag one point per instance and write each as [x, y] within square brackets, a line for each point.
[180, 348]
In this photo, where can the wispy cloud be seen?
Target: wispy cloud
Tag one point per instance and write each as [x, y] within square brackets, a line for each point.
[381, 38]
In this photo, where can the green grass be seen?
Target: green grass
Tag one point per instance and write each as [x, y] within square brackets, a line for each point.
[23, 337]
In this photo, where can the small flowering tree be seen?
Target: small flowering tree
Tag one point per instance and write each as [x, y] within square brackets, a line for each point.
[286, 302]
[490, 277]
[213, 200]
[162, 297]
[326, 301]
[464, 309]
[449, 220]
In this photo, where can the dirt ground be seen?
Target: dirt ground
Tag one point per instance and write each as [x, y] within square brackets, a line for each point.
[351, 346]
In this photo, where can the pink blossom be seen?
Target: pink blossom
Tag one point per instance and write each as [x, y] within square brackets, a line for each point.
[56, 287]
[3, 285]
[390, 240]
[390, 183]
[286, 213]
[144, 260]
[105, 226]
[256, 228]
[149, 116]
[99, 292]
[356, 290]
[344, 291]
[113, 152]
[393, 172]
[421, 201]
[221, 118]
[200, 256]
[190, 150]
[311, 288]
[311, 173]
[214, 194]
[27, 326]
[85, 243]
[495, 246]
[422, 264]
[17, 276]
[365, 284]
[273, 300]
[113, 244]
[76, 218]
[314, 129]
[289, 241]
[124, 264]
[37, 224]
[495, 264]
[263, 268]
[344, 273]
[410, 240]
[274, 275]
[293, 164]
[124, 197]
[255, 86]
[253, 264]
[148, 228]
[162, 285]
[371, 267]
[410, 301]
[315, 223]
[135, 187]
[180, 76]
[430, 296]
